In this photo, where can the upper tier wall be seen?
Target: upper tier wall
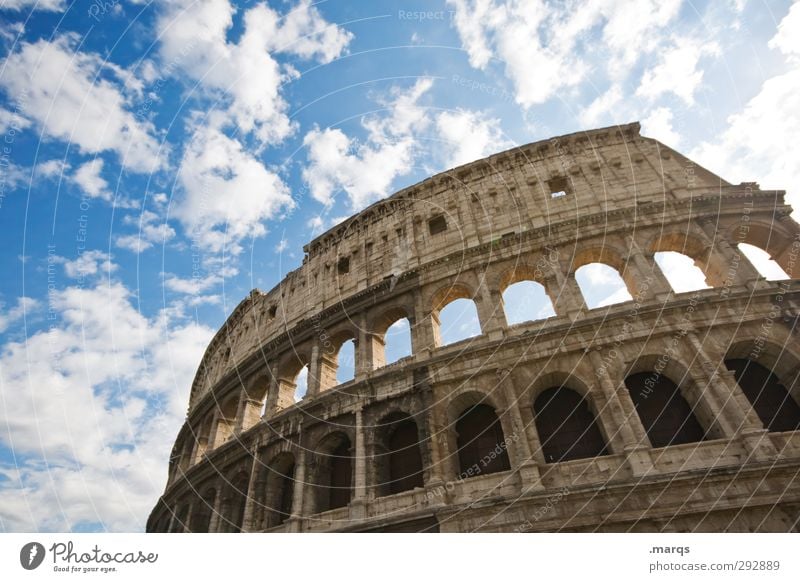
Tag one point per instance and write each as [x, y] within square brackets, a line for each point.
[510, 192]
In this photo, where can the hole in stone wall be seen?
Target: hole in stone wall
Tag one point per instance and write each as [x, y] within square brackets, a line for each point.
[343, 266]
[437, 224]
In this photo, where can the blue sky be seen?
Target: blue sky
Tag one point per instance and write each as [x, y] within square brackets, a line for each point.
[161, 159]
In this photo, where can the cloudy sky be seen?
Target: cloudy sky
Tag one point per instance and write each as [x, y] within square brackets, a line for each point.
[161, 159]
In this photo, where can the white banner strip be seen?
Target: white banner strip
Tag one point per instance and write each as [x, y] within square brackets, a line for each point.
[401, 557]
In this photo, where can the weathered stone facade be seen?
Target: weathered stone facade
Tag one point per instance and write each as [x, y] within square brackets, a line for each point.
[331, 461]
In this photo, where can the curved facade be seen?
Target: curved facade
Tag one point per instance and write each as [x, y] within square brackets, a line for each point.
[667, 412]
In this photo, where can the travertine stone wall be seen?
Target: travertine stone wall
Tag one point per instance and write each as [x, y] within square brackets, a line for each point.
[470, 233]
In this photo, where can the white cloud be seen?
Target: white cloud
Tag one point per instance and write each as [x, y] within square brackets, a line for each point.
[52, 169]
[365, 170]
[152, 230]
[787, 40]
[677, 72]
[469, 135]
[88, 264]
[64, 91]
[658, 125]
[11, 316]
[226, 193]
[12, 120]
[191, 286]
[602, 106]
[194, 38]
[127, 378]
[539, 42]
[88, 177]
[45, 5]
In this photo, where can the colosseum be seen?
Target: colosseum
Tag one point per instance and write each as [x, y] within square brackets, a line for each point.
[665, 412]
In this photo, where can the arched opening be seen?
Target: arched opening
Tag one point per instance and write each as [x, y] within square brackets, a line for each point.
[774, 405]
[179, 522]
[233, 517]
[480, 442]
[346, 362]
[681, 271]
[601, 285]
[566, 426]
[526, 301]
[201, 515]
[226, 423]
[335, 477]
[397, 341]
[280, 490]
[763, 262]
[665, 414]
[204, 437]
[399, 465]
[300, 384]
[458, 320]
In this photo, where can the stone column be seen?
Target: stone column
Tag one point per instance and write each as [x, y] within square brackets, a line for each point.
[437, 448]
[728, 267]
[216, 511]
[566, 295]
[365, 344]
[250, 501]
[647, 281]
[489, 304]
[423, 338]
[525, 464]
[635, 447]
[740, 420]
[314, 371]
[358, 503]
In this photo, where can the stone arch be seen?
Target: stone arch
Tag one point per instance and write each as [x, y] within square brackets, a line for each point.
[445, 297]
[227, 411]
[202, 511]
[234, 502]
[478, 435]
[289, 369]
[541, 303]
[567, 426]
[279, 487]
[612, 259]
[773, 237]
[397, 454]
[334, 466]
[329, 352]
[666, 401]
[380, 325]
[694, 246]
[180, 520]
[776, 360]
[205, 435]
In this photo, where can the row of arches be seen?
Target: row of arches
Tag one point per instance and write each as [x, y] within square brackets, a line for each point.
[341, 355]
[567, 424]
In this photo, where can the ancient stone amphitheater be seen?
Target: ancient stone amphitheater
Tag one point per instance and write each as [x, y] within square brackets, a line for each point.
[667, 412]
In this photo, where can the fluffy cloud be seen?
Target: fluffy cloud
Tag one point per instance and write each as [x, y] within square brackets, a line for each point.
[754, 144]
[152, 230]
[88, 264]
[14, 314]
[45, 5]
[76, 97]
[538, 42]
[88, 177]
[365, 170]
[677, 70]
[246, 74]
[226, 193]
[658, 125]
[469, 135]
[127, 378]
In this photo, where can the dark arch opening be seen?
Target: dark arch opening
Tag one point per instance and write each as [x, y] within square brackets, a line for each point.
[280, 490]
[664, 412]
[567, 428]
[405, 459]
[774, 405]
[201, 516]
[480, 441]
[236, 502]
[336, 475]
